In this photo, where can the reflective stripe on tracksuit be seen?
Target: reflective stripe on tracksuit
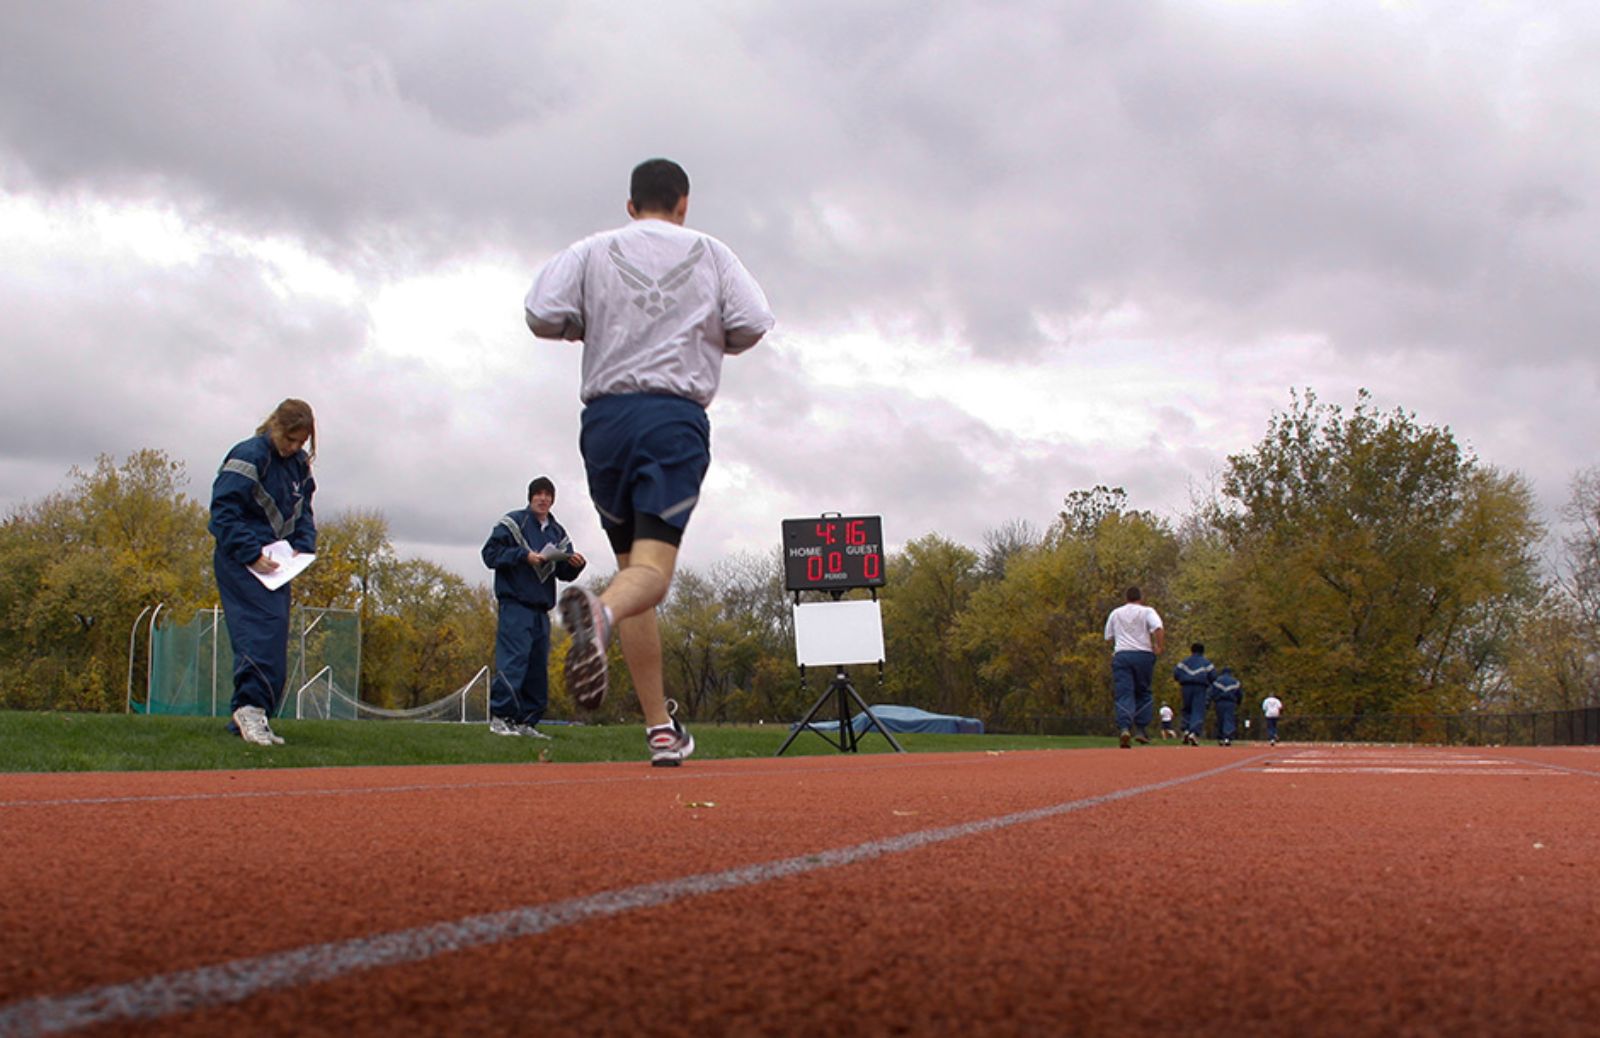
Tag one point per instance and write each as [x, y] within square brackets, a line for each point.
[1194, 677]
[1226, 693]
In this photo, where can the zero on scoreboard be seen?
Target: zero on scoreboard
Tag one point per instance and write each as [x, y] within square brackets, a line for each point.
[833, 552]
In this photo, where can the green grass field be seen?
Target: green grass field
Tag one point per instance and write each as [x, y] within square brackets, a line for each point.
[119, 742]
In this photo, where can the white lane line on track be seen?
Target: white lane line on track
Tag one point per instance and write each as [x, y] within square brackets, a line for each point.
[1389, 755]
[166, 994]
[1424, 762]
[1546, 765]
[1322, 769]
[691, 774]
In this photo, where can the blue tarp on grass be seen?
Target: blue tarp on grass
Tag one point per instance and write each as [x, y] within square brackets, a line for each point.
[909, 719]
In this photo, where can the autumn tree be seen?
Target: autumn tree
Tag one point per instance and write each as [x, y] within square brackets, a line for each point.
[428, 633]
[1555, 662]
[1581, 572]
[929, 585]
[724, 631]
[81, 565]
[353, 551]
[1039, 632]
[1372, 564]
[1005, 542]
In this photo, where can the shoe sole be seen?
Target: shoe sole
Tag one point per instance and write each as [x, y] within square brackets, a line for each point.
[586, 661]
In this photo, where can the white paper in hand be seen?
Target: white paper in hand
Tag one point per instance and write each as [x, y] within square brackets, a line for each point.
[290, 565]
[552, 553]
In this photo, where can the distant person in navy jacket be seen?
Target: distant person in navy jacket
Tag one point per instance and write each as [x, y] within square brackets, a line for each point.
[262, 494]
[528, 551]
[1194, 676]
[1226, 694]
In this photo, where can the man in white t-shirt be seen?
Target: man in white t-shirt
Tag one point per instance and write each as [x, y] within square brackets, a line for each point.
[657, 306]
[1137, 636]
[1272, 707]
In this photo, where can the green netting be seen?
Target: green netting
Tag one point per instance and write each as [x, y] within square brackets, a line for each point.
[191, 664]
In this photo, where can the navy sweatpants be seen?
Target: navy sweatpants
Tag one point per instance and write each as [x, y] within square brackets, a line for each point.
[1194, 709]
[520, 691]
[1130, 682]
[1226, 714]
[258, 630]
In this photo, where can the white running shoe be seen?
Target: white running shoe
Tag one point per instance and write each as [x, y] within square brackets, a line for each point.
[670, 744]
[531, 732]
[253, 727]
[500, 726]
[584, 617]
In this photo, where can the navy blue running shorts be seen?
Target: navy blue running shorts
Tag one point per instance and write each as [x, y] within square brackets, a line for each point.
[645, 455]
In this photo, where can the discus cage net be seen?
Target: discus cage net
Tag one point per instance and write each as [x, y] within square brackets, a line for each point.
[188, 670]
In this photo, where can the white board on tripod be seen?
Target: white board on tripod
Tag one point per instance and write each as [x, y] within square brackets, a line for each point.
[829, 633]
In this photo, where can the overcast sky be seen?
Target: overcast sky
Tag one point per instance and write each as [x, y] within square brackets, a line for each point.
[1014, 249]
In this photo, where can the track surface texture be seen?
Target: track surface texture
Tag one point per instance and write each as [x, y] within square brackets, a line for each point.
[1307, 890]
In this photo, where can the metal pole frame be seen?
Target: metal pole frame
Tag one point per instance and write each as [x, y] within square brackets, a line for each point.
[483, 672]
[299, 694]
[150, 657]
[215, 611]
[305, 629]
[133, 635]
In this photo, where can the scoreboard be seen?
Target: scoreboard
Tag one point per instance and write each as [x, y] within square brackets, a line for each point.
[833, 553]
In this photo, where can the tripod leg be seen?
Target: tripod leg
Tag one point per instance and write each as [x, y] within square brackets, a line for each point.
[872, 720]
[847, 728]
[805, 723]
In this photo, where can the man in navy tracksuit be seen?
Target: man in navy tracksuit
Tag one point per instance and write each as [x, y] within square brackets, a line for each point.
[1226, 693]
[262, 494]
[528, 551]
[1194, 676]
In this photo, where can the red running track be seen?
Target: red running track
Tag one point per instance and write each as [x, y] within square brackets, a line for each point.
[1199, 891]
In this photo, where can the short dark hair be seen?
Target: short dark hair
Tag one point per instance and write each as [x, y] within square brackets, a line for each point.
[1134, 594]
[542, 483]
[1198, 649]
[657, 185]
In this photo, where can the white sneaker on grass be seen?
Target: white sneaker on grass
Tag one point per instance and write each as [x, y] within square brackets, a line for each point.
[500, 726]
[253, 728]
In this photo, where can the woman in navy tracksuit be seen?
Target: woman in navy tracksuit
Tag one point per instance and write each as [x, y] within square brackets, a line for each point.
[262, 494]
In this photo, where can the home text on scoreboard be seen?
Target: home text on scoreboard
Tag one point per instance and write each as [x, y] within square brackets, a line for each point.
[833, 553]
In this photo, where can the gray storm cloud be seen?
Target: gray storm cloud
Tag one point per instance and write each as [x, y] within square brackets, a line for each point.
[1410, 188]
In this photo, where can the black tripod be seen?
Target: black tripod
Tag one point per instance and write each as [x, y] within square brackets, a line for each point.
[845, 693]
